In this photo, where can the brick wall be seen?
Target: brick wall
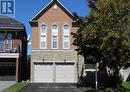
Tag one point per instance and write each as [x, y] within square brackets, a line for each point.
[52, 16]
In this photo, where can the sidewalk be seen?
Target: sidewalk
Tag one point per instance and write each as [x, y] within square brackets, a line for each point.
[6, 84]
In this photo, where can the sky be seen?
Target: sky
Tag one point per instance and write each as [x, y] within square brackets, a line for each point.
[26, 9]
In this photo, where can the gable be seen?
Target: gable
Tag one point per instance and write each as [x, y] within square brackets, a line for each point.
[47, 7]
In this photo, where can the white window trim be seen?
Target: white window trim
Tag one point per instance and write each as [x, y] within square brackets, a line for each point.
[44, 35]
[11, 40]
[54, 35]
[66, 35]
[68, 41]
[52, 42]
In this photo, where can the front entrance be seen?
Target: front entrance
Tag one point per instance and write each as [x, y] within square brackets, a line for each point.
[55, 73]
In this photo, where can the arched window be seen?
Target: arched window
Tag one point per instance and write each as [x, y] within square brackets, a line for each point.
[66, 36]
[43, 32]
[66, 29]
[54, 36]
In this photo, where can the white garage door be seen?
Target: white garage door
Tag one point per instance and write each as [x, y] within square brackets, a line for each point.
[55, 73]
[43, 73]
[65, 73]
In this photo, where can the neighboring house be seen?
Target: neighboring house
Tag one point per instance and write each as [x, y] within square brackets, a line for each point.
[53, 58]
[13, 50]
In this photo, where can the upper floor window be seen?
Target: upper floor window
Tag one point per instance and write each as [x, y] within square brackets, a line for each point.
[54, 30]
[66, 29]
[43, 29]
[43, 37]
[2, 39]
[66, 42]
[9, 41]
[54, 42]
[54, 36]
[66, 36]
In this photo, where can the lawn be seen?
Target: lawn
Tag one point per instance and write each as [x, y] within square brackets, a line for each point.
[15, 87]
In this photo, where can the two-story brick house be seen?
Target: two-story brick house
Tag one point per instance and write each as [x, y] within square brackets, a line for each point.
[53, 58]
[13, 50]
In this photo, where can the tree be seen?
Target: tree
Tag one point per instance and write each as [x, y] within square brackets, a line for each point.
[103, 35]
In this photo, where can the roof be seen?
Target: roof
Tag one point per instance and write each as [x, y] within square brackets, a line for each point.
[10, 23]
[50, 4]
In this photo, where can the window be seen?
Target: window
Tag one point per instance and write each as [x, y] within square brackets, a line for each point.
[66, 42]
[43, 29]
[43, 41]
[2, 39]
[54, 30]
[54, 42]
[54, 36]
[43, 36]
[9, 42]
[66, 36]
[66, 29]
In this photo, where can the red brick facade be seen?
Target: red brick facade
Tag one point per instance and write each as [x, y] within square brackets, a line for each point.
[50, 17]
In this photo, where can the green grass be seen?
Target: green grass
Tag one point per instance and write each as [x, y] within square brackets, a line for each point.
[15, 87]
[126, 85]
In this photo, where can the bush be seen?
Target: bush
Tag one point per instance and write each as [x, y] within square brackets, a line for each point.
[126, 85]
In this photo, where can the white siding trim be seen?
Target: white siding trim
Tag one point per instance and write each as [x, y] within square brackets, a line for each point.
[41, 10]
[9, 55]
[35, 50]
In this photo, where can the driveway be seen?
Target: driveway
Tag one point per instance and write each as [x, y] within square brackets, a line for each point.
[6, 84]
[37, 87]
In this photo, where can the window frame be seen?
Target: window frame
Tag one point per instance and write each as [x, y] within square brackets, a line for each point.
[45, 34]
[10, 41]
[66, 34]
[54, 35]
[4, 38]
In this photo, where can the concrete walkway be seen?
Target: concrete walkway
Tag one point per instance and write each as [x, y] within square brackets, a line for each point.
[6, 84]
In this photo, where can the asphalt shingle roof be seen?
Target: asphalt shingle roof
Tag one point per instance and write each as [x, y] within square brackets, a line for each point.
[10, 23]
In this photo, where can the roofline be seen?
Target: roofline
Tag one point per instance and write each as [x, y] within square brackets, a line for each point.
[41, 10]
[12, 28]
[32, 19]
[65, 8]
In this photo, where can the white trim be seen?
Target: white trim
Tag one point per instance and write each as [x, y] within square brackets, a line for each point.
[40, 61]
[9, 39]
[43, 35]
[9, 55]
[41, 10]
[89, 70]
[65, 8]
[47, 6]
[35, 50]
[52, 42]
[68, 41]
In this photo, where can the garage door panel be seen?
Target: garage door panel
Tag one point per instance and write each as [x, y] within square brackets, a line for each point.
[43, 73]
[65, 73]
[55, 73]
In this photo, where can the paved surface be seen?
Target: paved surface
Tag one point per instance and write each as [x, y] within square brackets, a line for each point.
[52, 88]
[6, 84]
